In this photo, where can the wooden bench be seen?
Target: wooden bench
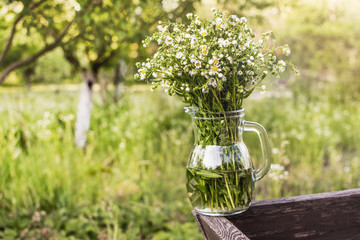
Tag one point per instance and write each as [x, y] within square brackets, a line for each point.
[332, 215]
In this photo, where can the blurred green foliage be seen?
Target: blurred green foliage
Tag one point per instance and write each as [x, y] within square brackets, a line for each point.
[325, 47]
[130, 181]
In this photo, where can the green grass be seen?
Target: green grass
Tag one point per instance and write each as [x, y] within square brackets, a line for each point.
[130, 181]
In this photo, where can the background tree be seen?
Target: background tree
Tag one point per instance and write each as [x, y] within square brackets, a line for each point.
[47, 22]
[112, 31]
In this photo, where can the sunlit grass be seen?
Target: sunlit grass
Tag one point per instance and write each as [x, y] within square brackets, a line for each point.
[129, 183]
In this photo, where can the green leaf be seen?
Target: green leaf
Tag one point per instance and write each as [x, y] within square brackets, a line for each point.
[208, 174]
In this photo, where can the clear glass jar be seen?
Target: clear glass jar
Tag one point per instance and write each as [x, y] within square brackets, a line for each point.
[220, 175]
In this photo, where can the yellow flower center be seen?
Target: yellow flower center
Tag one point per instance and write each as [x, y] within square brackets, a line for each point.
[218, 26]
[203, 47]
[214, 68]
[216, 61]
[197, 64]
[203, 33]
[204, 52]
[142, 71]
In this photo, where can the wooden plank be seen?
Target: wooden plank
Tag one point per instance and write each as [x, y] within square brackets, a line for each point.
[216, 228]
[333, 215]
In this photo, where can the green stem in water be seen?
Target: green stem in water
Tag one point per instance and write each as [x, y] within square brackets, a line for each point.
[227, 187]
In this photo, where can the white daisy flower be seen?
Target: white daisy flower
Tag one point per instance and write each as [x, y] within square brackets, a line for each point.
[223, 79]
[204, 52]
[242, 47]
[197, 64]
[205, 90]
[240, 73]
[219, 26]
[142, 72]
[189, 15]
[214, 69]
[193, 41]
[215, 60]
[212, 82]
[187, 89]
[203, 47]
[203, 32]
[220, 41]
[169, 41]
[282, 63]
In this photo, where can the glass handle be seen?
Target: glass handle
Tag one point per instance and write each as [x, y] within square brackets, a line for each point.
[265, 148]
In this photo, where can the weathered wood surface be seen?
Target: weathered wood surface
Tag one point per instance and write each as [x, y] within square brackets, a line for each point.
[333, 215]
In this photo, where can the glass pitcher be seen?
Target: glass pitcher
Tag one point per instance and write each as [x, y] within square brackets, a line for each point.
[220, 175]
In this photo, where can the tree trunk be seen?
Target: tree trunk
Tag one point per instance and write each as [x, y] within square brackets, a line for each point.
[119, 78]
[84, 109]
[28, 72]
[103, 86]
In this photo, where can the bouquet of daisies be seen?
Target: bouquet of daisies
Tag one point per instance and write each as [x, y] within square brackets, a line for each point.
[211, 64]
